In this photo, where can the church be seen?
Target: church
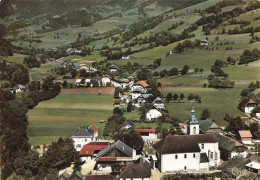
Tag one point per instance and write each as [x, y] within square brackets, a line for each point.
[193, 152]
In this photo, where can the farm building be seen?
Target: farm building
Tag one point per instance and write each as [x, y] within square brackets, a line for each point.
[190, 153]
[247, 106]
[140, 169]
[148, 134]
[90, 150]
[113, 68]
[208, 127]
[118, 152]
[204, 42]
[230, 148]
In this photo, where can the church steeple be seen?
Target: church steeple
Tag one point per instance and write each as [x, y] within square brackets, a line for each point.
[192, 124]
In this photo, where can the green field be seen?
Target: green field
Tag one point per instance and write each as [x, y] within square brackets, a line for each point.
[62, 115]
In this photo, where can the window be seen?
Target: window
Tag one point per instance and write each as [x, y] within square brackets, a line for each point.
[193, 155]
[176, 156]
[202, 146]
[194, 130]
[185, 155]
[185, 167]
[86, 140]
[211, 155]
[216, 155]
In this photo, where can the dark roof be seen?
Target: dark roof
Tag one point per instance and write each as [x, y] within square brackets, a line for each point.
[64, 176]
[139, 169]
[146, 95]
[116, 145]
[183, 144]
[157, 100]
[76, 176]
[245, 102]
[97, 177]
[227, 143]
[192, 119]
[83, 131]
[203, 158]
[236, 162]
[90, 148]
[205, 125]
[112, 66]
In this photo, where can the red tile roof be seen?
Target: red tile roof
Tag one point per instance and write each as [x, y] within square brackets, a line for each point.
[94, 128]
[143, 83]
[245, 134]
[97, 177]
[145, 130]
[245, 102]
[113, 159]
[90, 148]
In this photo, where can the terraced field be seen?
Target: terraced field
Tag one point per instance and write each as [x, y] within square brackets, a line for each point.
[62, 115]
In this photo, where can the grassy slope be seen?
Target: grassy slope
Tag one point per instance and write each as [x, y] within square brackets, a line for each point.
[62, 115]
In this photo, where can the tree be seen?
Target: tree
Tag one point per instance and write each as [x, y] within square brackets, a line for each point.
[254, 129]
[185, 69]
[65, 84]
[205, 114]
[118, 111]
[31, 62]
[175, 96]
[114, 123]
[73, 73]
[182, 96]
[131, 138]
[169, 97]
[129, 106]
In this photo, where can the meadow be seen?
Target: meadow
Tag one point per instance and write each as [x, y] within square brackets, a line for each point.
[62, 115]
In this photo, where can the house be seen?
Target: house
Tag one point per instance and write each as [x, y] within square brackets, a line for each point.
[113, 68]
[247, 106]
[140, 169]
[77, 51]
[192, 124]
[158, 103]
[204, 42]
[126, 57]
[183, 128]
[97, 177]
[136, 93]
[19, 88]
[128, 125]
[82, 136]
[87, 68]
[208, 127]
[148, 134]
[118, 152]
[153, 114]
[142, 99]
[106, 80]
[187, 153]
[247, 139]
[230, 148]
[140, 85]
[90, 150]
[76, 65]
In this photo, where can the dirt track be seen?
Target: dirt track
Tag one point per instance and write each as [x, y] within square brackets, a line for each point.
[89, 90]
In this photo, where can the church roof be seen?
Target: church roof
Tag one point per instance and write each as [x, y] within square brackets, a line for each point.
[183, 144]
[205, 125]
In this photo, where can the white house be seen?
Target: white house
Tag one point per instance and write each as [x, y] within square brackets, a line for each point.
[106, 80]
[192, 124]
[140, 85]
[82, 136]
[19, 88]
[187, 153]
[136, 93]
[153, 114]
[158, 103]
[247, 106]
[148, 134]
